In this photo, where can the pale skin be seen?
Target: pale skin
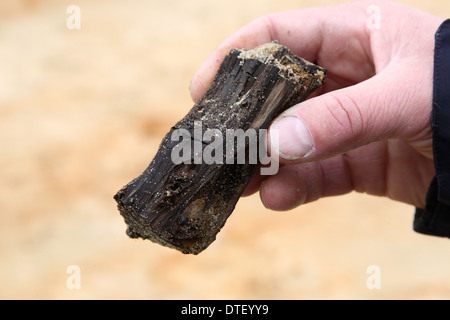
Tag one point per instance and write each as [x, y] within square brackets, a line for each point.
[369, 124]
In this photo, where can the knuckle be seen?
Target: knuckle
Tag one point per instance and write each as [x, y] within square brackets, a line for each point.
[346, 114]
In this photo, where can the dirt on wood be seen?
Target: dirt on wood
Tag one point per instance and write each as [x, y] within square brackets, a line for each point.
[83, 110]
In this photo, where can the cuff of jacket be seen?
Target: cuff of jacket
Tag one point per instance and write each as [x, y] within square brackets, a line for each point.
[434, 219]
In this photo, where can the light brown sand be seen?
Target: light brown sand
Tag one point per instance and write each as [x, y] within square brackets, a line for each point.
[82, 112]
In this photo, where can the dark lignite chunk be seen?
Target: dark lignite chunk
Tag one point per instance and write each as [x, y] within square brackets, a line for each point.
[184, 204]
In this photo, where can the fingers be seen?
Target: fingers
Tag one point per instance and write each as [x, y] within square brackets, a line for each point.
[254, 184]
[302, 183]
[252, 35]
[333, 123]
[309, 33]
[386, 168]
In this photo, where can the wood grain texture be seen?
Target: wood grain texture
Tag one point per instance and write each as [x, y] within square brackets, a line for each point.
[184, 205]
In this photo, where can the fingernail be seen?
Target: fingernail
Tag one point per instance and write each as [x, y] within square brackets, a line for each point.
[293, 141]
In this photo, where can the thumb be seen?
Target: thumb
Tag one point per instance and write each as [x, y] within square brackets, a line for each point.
[385, 106]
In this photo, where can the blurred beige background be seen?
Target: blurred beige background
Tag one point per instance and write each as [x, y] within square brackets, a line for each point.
[82, 113]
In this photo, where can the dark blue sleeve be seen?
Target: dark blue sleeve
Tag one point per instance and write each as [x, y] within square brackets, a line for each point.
[434, 219]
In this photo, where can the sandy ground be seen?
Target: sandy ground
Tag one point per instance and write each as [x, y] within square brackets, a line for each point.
[82, 113]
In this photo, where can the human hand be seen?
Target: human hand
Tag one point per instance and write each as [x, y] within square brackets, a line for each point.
[368, 128]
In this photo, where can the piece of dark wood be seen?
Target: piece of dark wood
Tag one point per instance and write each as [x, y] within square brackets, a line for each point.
[184, 205]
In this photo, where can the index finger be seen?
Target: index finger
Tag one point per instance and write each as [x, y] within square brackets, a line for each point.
[303, 31]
